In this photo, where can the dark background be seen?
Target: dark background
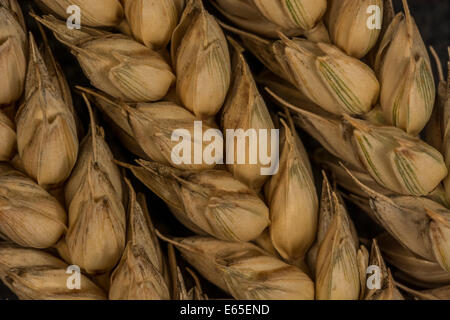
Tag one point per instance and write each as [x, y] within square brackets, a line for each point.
[431, 17]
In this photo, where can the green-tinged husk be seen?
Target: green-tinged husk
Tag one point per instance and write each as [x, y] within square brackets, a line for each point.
[403, 67]
[327, 76]
[348, 25]
[115, 63]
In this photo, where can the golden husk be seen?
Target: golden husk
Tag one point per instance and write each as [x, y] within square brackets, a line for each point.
[418, 223]
[245, 109]
[388, 289]
[418, 271]
[36, 275]
[97, 226]
[152, 21]
[337, 267]
[136, 278]
[8, 140]
[347, 22]
[397, 160]
[29, 215]
[441, 293]
[46, 128]
[403, 66]
[207, 202]
[245, 271]
[148, 128]
[13, 53]
[329, 130]
[292, 198]
[105, 13]
[115, 63]
[268, 18]
[327, 76]
[201, 59]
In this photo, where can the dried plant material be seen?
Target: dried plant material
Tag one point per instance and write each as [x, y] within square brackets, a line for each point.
[46, 128]
[13, 52]
[441, 293]
[96, 235]
[434, 131]
[337, 266]
[152, 126]
[397, 160]
[115, 63]
[245, 271]
[444, 100]
[136, 278]
[245, 109]
[8, 140]
[116, 116]
[105, 13]
[14, 8]
[333, 165]
[207, 202]
[420, 271]
[327, 210]
[196, 292]
[202, 62]
[247, 16]
[327, 76]
[267, 18]
[141, 231]
[387, 289]
[289, 14]
[406, 78]
[418, 223]
[265, 242]
[152, 21]
[363, 262]
[29, 215]
[292, 199]
[286, 91]
[348, 24]
[36, 275]
[327, 129]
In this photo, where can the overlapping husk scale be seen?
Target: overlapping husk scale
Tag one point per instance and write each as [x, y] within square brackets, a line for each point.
[46, 129]
[94, 198]
[37, 275]
[140, 272]
[13, 52]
